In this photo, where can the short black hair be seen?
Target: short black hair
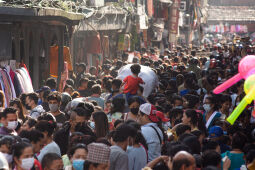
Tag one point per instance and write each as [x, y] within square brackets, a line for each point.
[8, 110]
[135, 68]
[31, 122]
[32, 135]
[239, 140]
[33, 96]
[75, 147]
[193, 143]
[181, 129]
[18, 148]
[96, 89]
[83, 65]
[83, 80]
[70, 82]
[51, 83]
[211, 158]
[209, 145]
[123, 132]
[49, 158]
[55, 96]
[117, 83]
[133, 99]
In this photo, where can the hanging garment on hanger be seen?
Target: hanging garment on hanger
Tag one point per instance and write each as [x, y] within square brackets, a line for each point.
[28, 80]
[2, 88]
[21, 81]
[10, 82]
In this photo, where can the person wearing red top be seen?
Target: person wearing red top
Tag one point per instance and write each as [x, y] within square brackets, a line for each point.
[132, 82]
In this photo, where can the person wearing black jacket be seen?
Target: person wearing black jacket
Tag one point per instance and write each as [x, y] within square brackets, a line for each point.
[77, 123]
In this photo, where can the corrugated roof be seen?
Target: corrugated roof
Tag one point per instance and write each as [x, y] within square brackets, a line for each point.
[231, 13]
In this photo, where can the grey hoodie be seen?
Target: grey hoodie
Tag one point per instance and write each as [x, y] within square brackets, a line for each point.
[36, 112]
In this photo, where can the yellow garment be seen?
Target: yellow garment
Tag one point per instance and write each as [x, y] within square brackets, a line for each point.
[54, 60]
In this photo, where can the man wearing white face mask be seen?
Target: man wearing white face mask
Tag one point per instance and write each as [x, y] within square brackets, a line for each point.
[9, 120]
[54, 100]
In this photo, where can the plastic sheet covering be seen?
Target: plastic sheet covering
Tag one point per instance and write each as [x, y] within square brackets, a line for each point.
[147, 74]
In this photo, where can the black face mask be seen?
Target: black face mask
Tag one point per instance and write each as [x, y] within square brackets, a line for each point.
[134, 111]
[27, 107]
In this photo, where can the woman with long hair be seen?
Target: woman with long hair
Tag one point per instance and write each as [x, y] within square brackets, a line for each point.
[16, 103]
[101, 124]
[2, 101]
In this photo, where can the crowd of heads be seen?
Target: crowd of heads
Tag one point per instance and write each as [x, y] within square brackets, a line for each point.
[76, 128]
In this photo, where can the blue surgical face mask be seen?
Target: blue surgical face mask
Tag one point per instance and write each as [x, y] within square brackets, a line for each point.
[78, 164]
[179, 107]
[92, 125]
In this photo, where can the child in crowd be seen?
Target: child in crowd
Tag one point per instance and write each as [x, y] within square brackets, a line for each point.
[132, 82]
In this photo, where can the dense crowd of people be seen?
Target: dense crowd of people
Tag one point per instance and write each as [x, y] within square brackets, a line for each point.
[101, 122]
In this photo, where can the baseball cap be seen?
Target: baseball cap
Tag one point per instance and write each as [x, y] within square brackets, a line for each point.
[43, 88]
[149, 110]
[215, 132]
[161, 116]
[98, 153]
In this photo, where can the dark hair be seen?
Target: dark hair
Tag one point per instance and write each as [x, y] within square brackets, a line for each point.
[19, 104]
[96, 89]
[9, 141]
[174, 113]
[88, 163]
[172, 148]
[33, 135]
[31, 122]
[91, 83]
[8, 110]
[123, 132]
[101, 124]
[193, 143]
[192, 100]
[108, 85]
[83, 65]
[117, 83]
[117, 122]
[70, 83]
[209, 145]
[181, 129]
[250, 156]
[48, 117]
[214, 100]
[192, 114]
[55, 96]
[23, 97]
[133, 100]
[118, 104]
[91, 69]
[239, 140]
[49, 158]
[2, 99]
[83, 80]
[135, 68]
[210, 168]
[51, 83]
[86, 109]
[18, 148]
[45, 126]
[33, 96]
[177, 164]
[75, 147]
[211, 158]
[46, 94]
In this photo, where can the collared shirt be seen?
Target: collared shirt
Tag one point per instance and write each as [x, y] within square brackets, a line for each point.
[118, 159]
[152, 140]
